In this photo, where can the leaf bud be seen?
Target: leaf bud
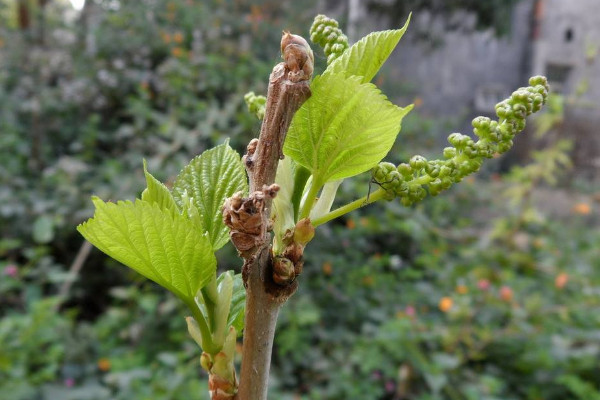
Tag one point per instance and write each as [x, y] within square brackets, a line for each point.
[304, 231]
[283, 271]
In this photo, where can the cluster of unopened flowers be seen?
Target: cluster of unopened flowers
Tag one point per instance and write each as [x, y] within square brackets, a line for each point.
[413, 180]
[326, 33]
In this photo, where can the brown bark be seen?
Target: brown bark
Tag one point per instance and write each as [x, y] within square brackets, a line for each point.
[288, 89]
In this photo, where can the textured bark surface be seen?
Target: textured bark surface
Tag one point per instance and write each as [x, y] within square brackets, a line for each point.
[288, 89]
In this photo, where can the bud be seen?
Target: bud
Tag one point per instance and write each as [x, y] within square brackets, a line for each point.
[405, 170]
[298, 56]
[326, 33]
[304, 231]
[206, 361]
[418, 162]
[283, 271]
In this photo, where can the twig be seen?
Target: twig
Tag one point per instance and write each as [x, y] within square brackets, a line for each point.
[82, 255]
[288, 89]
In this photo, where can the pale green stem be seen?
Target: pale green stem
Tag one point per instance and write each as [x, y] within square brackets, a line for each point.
[210, 297]
[310, 198]
[202, 325]
[338, 212]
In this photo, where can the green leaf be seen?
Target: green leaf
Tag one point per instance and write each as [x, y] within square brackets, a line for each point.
[209, 179]
[167, 248]
[238, 304]
[346, 127]
[158, 193]
[366, 56]
[283, 206]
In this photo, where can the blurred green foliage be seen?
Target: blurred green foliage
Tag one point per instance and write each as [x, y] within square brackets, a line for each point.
[490, 292]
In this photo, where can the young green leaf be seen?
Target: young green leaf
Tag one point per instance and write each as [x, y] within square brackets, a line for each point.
[345, 128]
[366, 56]
[235, 317]
[238, 304]
[167, 248]
[209, 179]
[283, 207]
[158, 193]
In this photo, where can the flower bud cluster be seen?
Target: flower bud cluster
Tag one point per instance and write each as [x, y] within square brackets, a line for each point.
[413, 180]
[326, 33]
[256, 104]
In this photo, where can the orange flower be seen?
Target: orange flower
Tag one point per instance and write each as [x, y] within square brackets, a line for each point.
[178, 37]
[445, 304]
[506, 293]
[582, 208]
[327, 268]
[177, 52]
[103, 364]
[561, 280]
[462, 289]
[350, 224]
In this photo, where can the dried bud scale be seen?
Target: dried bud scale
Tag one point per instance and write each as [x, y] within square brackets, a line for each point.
[410, 182]
[298, 57]
[244, 216]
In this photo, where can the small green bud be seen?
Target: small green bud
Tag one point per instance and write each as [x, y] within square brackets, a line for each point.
[481, 123]
[469, 151]
[418, 162]
[256, 104]
[449, 152]
[405, 170]
[454, 139]
[445, 171]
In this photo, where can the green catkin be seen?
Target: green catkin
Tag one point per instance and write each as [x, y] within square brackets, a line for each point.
[256, 104]
[326, 33]
[411, 182]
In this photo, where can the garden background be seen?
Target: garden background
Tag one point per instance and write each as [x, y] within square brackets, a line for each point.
[490, 291]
